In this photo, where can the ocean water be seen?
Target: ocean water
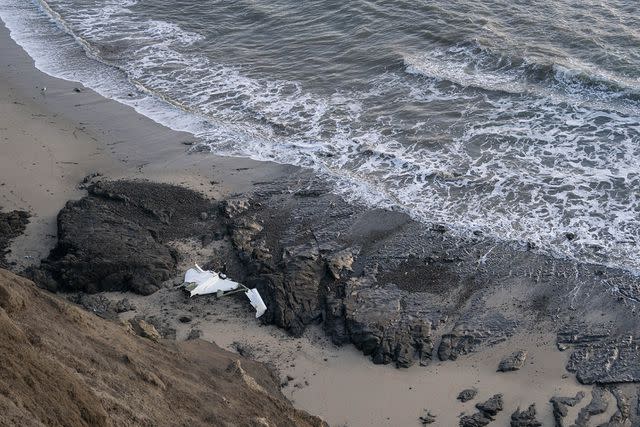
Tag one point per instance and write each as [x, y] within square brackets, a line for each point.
[517, 119]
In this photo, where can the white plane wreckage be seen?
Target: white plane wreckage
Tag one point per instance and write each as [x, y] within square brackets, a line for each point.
[203, 282]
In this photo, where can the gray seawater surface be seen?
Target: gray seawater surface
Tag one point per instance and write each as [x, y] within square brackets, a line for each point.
[518, 119]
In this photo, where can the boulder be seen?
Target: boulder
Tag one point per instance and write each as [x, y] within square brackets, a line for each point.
[384, 322]
[476, 420]
[145, 330]
[513, 362]
[492, 406]
[467, 394]
[525, 418]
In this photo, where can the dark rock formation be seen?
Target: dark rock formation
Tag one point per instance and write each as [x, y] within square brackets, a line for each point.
[476, 420]
[383, 322]
[116, 237]
[513, 362]
[457, 342]
[486, 411]
[597, 406]
[492, 406]
[607, 361]
[560, 406]
[622, 416]
[600, 357]
[304, 281]
[467, 394]
[525, 418]
[467, 334]
[391, 286]
[12, 224]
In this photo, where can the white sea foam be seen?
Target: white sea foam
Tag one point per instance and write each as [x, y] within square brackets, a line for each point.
[520, 168]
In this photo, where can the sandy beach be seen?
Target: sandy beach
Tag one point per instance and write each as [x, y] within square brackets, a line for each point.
[52, 139]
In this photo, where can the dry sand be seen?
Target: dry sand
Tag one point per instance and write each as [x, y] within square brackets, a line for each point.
[344, 388]
[50, 141]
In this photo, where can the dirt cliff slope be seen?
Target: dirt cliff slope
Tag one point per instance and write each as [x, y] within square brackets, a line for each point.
[64, 366]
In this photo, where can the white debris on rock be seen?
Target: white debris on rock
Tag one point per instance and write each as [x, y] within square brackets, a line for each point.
[256, 301]
[203, 282]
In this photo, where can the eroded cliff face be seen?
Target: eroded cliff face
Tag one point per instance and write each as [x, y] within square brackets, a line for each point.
[64, 366]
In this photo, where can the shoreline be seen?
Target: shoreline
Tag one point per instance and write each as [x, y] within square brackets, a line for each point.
[84, 141]
[58, 137]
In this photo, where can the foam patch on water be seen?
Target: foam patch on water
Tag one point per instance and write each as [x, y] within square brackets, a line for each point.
[470, 65]
[545, 168]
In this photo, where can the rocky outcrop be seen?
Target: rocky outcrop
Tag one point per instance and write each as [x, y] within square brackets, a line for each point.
[64, 366]
[561, 406]
[486, 412]
[376, 279]
[290, 288]
[598, 357]
[303, 282]
[382, 322]
[622, 416]
[609, 361]
[116, 237]
[12, 224]
[598, 405]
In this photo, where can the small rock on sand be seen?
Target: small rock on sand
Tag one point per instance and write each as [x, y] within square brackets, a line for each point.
[486, 411]
[492, 406]
[513, 362]
[525, 418]
[427, 418]
[467, 394]
[476, 420]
